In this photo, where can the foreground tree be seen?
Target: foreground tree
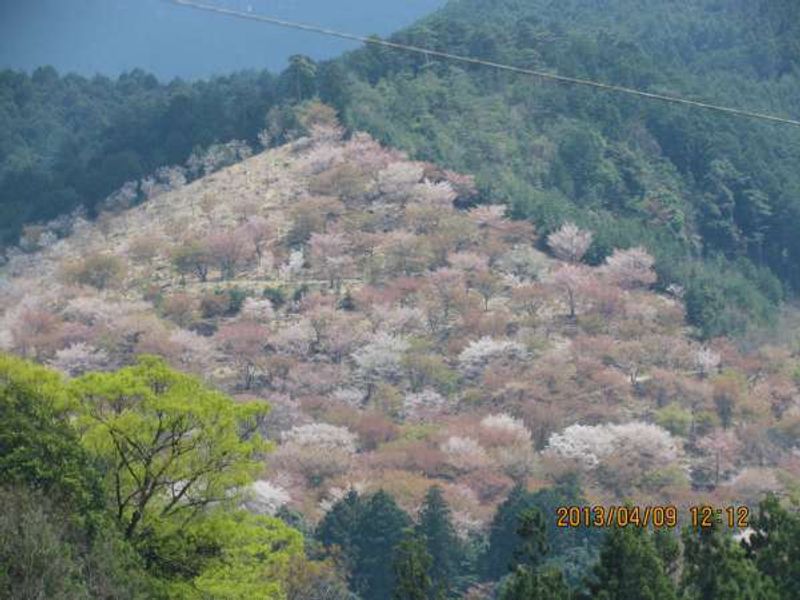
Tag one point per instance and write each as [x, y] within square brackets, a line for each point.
[380, 531]
[38, 448]
[716, 568]
[170, 446]
[528, 581]
[337, 530]
[411, 566]
[775, 546]
[629, 569]
[441, 541]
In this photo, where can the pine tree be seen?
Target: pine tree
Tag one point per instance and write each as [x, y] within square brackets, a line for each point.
[528, 582]
[775, 546]
[629, 568]
[340, 525]
[716, 568]
[379, 531]
[441, 541]
[503, 539]
[533, 533]
[411, 566]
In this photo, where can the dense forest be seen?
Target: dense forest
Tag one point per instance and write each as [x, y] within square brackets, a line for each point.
[713, 197]
[125, 485]
[322, 372]
[364, 329]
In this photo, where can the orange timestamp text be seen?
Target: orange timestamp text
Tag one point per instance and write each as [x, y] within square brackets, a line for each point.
[658, 517]
[599, 516]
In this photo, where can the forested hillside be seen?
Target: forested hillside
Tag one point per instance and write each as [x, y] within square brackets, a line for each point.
[399, 375]
[714, 198]
[686, 183]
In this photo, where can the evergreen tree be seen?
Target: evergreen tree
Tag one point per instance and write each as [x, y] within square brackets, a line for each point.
[379, 531]
[441, 541]
[629, 569]
[503, 540]
[412, 565]
[775, 546]
[716, 568]
[528, 582]
[340, 525]
[532, 531]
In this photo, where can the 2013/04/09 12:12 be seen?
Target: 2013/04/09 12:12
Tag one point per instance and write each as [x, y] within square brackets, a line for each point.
[667, 516]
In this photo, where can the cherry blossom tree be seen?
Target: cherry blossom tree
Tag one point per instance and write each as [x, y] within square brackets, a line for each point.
[630, 268]
[522, 262]
[528, 298]
[707, 361]
[330, 258]
[259, 233]
[228, 250]
[721, 448]
[80, 358]
[509, 443]
[259, 310]
[445, 287]
[479, 353]
[464, 453]
[193, 256]
[626, 454]
[318, 451]
[266, 498]
[380, 360]
[244, 343]
[569, 281]
[396, 182]
[570, 243]
[424, 405]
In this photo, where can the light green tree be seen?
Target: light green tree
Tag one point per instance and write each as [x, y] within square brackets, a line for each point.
[170, 445]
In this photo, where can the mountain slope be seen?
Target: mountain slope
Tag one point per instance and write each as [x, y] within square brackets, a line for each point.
[403, 342]
[712, 197]
[686, 183]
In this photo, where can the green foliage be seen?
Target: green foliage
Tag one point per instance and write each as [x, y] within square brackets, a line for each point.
[364, 533]
[118, 472]
[635, 173]
[44, 554]
[505, 542]
[775, 546]
[528, 580]
[440, 539]
[252, 558]
[412, 564]
[338, 528]
[69, 140]
[717, 568]
[527, 584]
[55, 537]
[276, 295]
[380, 530]
[170, 446]
[38, 447]
[675, 419]
[99, 271]
[629, 568]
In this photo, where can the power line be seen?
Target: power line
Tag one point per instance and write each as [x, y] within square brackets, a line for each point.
[486, 63]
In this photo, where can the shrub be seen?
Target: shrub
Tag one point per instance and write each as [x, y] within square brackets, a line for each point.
[98, 270]
[276, 295]
[674, 419]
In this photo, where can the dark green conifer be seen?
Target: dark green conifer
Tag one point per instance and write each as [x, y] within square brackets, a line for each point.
[411, 566]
